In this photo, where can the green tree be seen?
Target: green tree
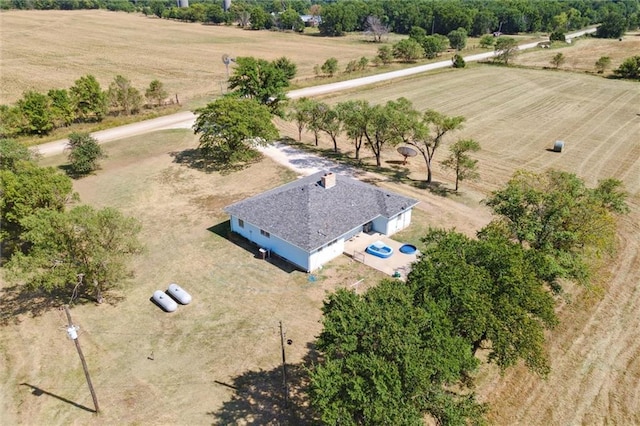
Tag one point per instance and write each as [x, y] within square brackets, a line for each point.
[229, 128]
[261, 80]
[355, 117]
[352, 66]
[123, 96]
[63, 246]
[458, 61]
[483, 22]
[330, 66]
[458, 38]
[613, 25]
[506, 48]
[260, 19]
[630, 68]
[554, 213]
[386, 125]
[557, 36]
[558, 59]
[489, 289]
[434, 45]
[487, 41]
[291, 20]
[338, 18]
[316, 110]
[428, 134]
[35, 107]
[603, 64]
[89, 99]
[26, 189]
[300, 114]
[385, 54]
[363, 62]
[408, 50]
[12, 121]
[12, 153]
[459, 161]
[387, 360]
[286, 66]
[62, 111]
[155, 93]
[84, 153]
[330, 123]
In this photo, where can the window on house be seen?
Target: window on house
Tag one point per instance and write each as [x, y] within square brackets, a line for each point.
[264, 233]
[241, 223]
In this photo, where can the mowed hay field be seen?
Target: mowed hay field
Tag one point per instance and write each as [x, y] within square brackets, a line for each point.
[42, 50]
[153, 368]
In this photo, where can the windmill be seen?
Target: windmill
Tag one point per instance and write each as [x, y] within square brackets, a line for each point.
[226, 60]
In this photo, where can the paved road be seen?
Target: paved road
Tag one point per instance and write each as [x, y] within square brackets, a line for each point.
[186, 119]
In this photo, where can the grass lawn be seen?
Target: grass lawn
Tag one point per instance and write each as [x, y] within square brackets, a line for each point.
[227, 337]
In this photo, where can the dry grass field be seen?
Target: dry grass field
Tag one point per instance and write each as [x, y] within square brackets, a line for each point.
[583, 53]
[181, 368]
[42, 50]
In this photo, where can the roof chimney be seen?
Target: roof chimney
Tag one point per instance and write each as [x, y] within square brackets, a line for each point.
[329, 180]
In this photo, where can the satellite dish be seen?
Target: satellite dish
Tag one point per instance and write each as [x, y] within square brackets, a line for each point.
[405, 151]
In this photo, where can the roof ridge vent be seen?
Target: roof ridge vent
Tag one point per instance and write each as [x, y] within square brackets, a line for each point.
[329, 180]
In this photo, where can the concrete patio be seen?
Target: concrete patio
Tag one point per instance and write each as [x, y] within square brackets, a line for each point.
[396, 263]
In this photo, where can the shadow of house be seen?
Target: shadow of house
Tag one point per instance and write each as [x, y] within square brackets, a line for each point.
[223, 229]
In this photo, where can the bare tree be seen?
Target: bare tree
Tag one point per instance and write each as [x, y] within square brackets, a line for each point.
[375, 28]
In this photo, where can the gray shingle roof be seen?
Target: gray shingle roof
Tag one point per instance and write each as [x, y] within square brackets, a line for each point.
[306, 214]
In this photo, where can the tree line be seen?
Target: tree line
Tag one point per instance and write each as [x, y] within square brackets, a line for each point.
[336, 18]
[38, 113]
[231, 127]
[51, 244]
[405, 349]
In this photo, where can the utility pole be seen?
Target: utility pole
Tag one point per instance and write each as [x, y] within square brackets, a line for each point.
[284, 369]
[72, 331]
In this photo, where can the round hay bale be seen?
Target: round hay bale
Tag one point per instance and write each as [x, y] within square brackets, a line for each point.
[558, 146]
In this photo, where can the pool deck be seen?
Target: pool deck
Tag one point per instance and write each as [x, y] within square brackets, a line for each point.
[397, 262]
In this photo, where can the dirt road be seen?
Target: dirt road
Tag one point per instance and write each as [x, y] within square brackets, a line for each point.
[186, 119]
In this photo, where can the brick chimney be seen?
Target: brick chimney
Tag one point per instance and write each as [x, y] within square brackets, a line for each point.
[329, 180]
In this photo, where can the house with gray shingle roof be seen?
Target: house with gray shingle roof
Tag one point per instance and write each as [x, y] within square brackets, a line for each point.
[308, 221]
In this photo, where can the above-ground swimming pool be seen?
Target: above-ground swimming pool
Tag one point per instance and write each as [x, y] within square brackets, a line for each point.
[408, 249]
[380, 249]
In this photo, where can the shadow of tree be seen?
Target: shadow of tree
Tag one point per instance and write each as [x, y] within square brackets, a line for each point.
[17, 300]
[259, 397]
[194, 159]
[394, 172]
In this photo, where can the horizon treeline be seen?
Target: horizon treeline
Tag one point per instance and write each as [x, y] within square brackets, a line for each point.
[336, 17]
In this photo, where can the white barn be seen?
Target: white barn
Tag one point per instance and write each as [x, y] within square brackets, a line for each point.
[308, 221]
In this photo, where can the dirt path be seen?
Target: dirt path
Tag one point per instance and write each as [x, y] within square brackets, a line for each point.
[186, 119]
